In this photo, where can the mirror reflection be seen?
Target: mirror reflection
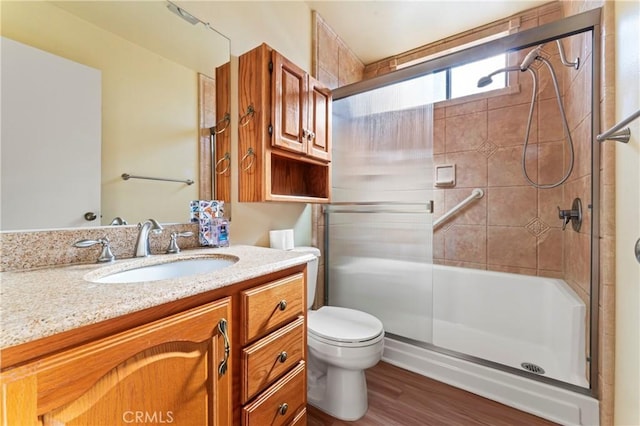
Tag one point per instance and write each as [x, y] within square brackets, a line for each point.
[146, 70]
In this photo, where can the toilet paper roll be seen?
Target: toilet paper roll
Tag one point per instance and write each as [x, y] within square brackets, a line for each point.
[281, 239]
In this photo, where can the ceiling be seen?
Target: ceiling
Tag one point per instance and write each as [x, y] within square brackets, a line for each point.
[375, 30]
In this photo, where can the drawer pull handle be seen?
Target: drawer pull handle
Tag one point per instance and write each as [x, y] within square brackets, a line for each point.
[282, 305]
[282, 409]
[222, 328]
[283, 356]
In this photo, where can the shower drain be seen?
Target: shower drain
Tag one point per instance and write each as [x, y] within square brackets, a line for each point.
[529, 366]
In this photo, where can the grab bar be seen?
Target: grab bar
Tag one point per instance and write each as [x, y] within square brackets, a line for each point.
[617, 133]
[127, 176]
[476, 193]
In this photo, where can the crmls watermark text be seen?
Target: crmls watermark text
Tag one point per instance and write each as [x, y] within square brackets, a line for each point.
[160, 417]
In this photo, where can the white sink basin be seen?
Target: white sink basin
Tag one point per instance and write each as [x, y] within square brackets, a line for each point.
[163, 271]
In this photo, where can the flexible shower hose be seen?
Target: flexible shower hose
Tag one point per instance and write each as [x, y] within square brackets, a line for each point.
[534, 77]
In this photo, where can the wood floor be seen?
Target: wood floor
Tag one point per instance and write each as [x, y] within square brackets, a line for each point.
[400, 397]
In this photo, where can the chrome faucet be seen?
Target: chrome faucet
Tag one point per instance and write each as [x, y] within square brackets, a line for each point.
[142, 243]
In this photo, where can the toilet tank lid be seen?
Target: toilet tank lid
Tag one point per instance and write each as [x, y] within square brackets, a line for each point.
[304, 249]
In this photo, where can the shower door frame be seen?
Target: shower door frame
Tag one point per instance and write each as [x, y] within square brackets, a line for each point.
[580, 23]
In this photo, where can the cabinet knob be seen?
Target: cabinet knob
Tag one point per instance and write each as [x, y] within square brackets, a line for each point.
[282, 305]
[283, 356]
[282, 409]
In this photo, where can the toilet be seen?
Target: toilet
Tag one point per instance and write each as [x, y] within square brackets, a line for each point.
[341, 344]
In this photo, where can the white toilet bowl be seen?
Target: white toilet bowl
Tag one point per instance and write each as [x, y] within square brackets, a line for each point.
[341, 343]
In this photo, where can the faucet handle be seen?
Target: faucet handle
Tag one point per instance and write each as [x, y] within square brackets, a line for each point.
[173, 244]
[105, 255]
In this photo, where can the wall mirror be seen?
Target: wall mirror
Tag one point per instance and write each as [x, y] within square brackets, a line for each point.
[162, 84]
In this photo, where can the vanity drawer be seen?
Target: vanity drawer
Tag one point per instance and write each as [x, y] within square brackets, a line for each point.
[300, 419]
[271, 357]
[280, 403]
[271, 305]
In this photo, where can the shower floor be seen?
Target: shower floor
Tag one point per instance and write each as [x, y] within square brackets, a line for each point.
[467, 340]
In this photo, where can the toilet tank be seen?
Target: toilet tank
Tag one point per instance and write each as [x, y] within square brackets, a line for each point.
[312, 272]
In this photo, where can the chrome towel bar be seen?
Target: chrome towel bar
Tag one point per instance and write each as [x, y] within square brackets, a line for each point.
[127, 176]
[379, 207]
[617, 132]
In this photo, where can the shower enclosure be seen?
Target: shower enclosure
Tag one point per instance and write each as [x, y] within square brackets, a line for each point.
[455, 212]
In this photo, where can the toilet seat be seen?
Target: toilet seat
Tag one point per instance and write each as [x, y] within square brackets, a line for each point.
[344, 327]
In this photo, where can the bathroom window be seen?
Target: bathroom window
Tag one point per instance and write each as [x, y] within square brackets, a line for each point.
[463, 80]
[455, 82]
[449, 83]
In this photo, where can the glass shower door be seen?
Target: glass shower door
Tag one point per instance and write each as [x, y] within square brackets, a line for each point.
[379, 226]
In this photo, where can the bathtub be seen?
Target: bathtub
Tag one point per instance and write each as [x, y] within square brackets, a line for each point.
[505, 318]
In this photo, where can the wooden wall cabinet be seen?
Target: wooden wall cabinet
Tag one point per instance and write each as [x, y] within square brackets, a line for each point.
[284, 131]
[166, 371]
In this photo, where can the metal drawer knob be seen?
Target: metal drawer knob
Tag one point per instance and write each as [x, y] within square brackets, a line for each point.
[282, 409]
[283, 356]
[282, 305]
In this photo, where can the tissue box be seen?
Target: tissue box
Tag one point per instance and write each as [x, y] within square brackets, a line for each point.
[214, 232]
[213, 227]
[205, 209]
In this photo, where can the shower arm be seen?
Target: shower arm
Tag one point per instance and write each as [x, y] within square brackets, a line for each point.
[575, 64]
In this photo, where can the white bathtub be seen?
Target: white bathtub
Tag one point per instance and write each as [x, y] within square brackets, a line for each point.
[501, 317]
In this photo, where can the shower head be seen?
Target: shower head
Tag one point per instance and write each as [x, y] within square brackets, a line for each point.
[487, 80]
[531, 56]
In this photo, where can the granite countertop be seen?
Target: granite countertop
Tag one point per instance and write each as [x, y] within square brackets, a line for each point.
[42, 302]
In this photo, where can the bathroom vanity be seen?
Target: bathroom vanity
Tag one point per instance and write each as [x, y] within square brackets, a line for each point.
[227, 347]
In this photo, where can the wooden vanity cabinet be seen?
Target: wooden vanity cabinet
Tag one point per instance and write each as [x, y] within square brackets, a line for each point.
[284, 131]
[162, 364]
[167, 371]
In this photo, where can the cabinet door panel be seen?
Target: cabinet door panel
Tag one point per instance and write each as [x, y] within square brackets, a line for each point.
[290, 105]
[152, 386]
[164, 371]
[319, 145]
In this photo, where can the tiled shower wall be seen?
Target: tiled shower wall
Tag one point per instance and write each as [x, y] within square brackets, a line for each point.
[515, 227]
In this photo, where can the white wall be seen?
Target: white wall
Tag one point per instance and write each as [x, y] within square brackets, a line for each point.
[627, 369]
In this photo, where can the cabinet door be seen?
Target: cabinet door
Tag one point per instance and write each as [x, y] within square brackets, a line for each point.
[289, 105]
[163, 372]
[319, 123]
